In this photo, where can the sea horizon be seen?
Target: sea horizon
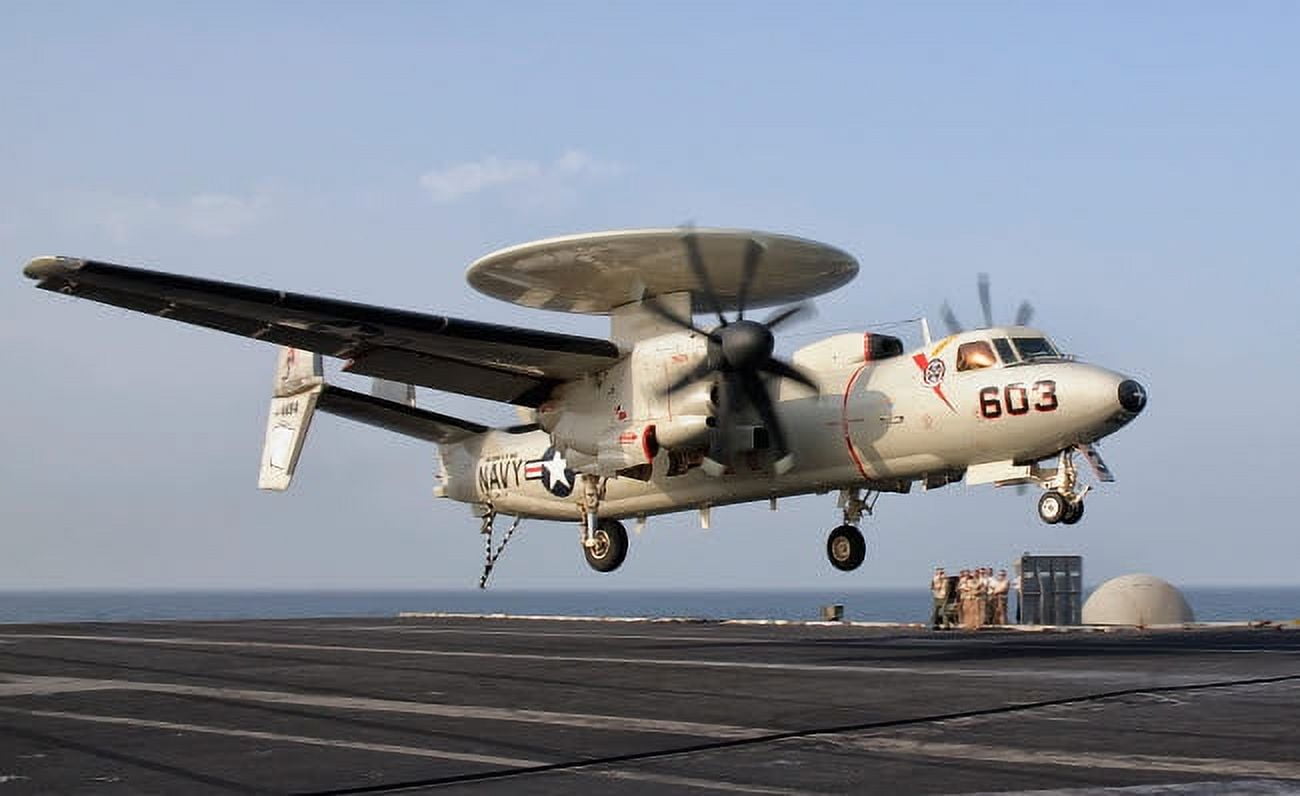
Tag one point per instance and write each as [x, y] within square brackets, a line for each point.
[882, 604]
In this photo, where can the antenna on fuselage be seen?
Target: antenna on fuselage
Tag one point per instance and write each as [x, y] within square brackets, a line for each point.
[925, 332]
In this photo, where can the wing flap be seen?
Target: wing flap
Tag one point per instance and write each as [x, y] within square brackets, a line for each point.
[452, 375]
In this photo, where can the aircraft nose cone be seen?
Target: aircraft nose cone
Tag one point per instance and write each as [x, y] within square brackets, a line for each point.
[1132, 396]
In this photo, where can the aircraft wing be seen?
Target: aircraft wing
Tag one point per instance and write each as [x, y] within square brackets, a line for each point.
[501, 363]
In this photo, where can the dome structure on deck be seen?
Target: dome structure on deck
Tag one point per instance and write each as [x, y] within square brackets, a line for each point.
[1136, 600]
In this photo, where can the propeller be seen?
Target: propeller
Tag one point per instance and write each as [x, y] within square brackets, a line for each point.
[739, 352]
[1024, 313]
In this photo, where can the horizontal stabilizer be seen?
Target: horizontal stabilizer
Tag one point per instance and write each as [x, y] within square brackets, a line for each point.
[394, 391]
[409, 420]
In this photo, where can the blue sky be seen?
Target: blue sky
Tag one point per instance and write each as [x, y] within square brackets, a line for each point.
[1131, 168]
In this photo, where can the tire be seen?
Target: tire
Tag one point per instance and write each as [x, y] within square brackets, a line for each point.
[610, 548]
[845, 548]
[1052, 507]
[1074, 514]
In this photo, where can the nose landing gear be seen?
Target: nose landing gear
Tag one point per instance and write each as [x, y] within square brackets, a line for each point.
[1062, 502]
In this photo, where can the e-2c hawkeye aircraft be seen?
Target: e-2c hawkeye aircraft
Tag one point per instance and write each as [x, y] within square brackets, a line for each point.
[669, 414]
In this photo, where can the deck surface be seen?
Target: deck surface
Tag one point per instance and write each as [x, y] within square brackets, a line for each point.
[527, 706]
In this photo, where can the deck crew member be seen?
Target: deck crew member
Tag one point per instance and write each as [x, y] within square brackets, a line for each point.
[1001, 586]
[939, 591]
[969, 600]
[987, 580]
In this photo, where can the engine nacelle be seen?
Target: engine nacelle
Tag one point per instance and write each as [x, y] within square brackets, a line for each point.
[699, 398]
[683, 431]
[848, 350]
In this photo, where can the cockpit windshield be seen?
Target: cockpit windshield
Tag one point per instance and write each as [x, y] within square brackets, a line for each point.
[975, 355]
[1035, 348]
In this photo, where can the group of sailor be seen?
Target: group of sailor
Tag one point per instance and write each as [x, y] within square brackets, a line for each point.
[970, 600]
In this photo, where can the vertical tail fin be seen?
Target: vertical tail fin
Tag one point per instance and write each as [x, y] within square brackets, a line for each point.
[299, 381]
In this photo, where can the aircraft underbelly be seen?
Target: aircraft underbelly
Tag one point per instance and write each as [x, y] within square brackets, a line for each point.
[625, 497]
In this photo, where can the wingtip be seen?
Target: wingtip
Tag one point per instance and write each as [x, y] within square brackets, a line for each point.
[45, 267]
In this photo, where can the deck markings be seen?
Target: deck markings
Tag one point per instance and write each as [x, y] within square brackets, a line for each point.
[398, 749]
[1074, 758]
[594, 635]
[695, 663]
[1217, 787]
[21, 685]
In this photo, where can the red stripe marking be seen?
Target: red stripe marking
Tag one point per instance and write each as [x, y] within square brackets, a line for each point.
[649, 444]
[924, 364]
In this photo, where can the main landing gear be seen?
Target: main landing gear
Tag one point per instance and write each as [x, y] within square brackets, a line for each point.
[604, 542]
[609, 546]
[1063, 501]
[845, 547]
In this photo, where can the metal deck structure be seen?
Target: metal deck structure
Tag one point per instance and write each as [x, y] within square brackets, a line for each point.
[531, 706]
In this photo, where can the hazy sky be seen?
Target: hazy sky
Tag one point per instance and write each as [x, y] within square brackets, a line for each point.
[1131, 168]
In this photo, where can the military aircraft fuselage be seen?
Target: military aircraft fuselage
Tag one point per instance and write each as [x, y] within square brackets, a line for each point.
[997, 395]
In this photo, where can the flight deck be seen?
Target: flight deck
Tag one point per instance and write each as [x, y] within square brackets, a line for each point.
[498, 705]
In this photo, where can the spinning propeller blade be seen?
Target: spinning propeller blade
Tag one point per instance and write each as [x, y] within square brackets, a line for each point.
[950, 319]
[1024, 313]
[778, 368]
[702, 370]
[740, 351]
[778, 318]
[753, 254]
[654, 305]
[986, 302]
[696, 260]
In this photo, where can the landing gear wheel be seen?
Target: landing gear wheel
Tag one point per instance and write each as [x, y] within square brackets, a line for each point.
[610, 546]
[1053, 507]
[1073, 514]
[846, 548]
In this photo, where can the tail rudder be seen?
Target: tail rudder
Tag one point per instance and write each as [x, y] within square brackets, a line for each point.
[299, 382]
[299, 390]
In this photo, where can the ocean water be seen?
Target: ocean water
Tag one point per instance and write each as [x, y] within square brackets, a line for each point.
[881, 605]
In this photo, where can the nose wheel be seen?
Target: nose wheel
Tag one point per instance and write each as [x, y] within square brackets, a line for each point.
[846, 548]
[1054, 507]
[1063, 500]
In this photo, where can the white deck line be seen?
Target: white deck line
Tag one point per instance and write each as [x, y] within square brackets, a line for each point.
[396, 749]
[1219, 766]
[1110, 676]
[24, 685]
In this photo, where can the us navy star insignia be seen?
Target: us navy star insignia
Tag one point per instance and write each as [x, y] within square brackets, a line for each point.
[553, 471]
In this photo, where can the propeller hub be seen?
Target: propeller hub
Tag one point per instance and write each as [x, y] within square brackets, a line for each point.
[745, 344]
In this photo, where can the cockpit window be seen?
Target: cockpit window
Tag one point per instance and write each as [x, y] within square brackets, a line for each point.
[1035, 348]
[1003, 345]
[975, 355]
